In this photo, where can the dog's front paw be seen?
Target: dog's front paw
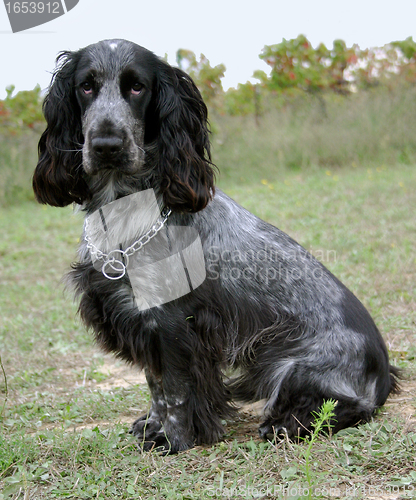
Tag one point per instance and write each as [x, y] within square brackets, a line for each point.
[152, 436]
[145, 425]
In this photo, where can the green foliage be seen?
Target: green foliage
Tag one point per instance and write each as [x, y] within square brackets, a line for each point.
[22, 111]
[373, 67]
[390, 66]
[295, 64]
[323, 418]
[407, 47]
[296, 67]
[244, 100]
[407, 67]
[206, 77]
[384, 66]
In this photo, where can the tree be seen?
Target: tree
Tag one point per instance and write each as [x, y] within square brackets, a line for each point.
[393, 64]
[244, 100]
[206, 77]
[407, 65]
[341, 59]
[295, 64]
[22, 110]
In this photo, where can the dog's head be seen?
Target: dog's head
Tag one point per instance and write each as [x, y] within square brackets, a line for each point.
[115, 108]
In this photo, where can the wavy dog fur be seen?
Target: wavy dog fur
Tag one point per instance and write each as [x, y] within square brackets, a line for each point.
[120, 120]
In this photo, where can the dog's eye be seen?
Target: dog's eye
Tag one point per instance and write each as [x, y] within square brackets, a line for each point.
[86, 87]
[136, 88]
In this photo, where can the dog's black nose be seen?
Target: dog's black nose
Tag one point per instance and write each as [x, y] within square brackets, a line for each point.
[107, 147]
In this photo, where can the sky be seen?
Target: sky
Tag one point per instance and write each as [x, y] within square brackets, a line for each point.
[225, 31]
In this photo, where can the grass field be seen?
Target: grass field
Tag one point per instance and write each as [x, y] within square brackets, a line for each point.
[65, 409]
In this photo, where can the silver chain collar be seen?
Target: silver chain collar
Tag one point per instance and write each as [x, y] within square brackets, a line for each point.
[117, 260]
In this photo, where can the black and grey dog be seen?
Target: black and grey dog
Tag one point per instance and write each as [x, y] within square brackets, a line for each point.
[120, 121]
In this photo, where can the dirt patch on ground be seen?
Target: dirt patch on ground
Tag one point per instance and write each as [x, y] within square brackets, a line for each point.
[404, 404]
[118, 374]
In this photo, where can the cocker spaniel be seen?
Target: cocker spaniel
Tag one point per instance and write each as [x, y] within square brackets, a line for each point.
[177, 278]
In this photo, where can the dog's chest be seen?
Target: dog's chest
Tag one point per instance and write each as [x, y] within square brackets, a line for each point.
[130, 238]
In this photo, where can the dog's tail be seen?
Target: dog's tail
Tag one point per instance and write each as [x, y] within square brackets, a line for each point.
[395, 376]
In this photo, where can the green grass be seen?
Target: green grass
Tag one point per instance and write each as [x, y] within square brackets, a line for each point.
[18, 155]
[358, 222]
[365, 129]
[63, 430]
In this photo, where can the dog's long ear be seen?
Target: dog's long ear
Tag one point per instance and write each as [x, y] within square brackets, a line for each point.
[185, 168]
[57, 179]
